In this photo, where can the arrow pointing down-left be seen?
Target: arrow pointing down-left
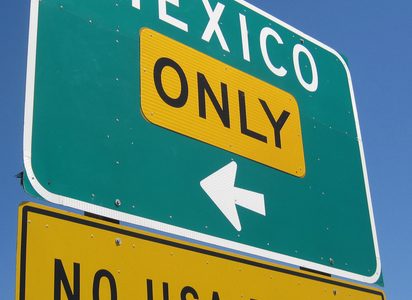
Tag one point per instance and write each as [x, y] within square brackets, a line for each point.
[220, 187]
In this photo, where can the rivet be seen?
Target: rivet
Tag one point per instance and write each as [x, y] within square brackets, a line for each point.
[331, 261]
[117, 202]
[118, 241]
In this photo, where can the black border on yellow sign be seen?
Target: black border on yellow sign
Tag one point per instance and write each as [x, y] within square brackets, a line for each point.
[106, 226]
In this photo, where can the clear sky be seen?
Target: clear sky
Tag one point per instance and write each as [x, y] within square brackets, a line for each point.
[375, 37]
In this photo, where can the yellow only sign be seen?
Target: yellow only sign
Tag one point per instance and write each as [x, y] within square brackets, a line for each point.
[198, 96]
[66, 256]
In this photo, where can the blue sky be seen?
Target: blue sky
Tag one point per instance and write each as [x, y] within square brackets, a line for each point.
[375, 37]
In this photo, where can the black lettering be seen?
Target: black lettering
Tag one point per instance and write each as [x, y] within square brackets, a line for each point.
[149, 285]
[181, 100]
[188, 290]
[60, 277]
[203, 88]
[165, 291]
[215, 296]
[243, 121]
[96, 284]
[277, 125]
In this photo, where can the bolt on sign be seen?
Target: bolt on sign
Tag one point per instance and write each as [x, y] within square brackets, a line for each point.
[207, 119]
[57, 260]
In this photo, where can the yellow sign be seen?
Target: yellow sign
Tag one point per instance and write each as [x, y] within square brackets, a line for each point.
[198, 96]
[66, 256]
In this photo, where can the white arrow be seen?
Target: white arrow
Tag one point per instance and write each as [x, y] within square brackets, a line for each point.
[220, 187]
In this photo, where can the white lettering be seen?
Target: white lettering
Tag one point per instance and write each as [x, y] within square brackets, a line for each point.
[245, 37]
[169, 19]
[213, 25]
[264, 34]
[297, 50]
[136, 4]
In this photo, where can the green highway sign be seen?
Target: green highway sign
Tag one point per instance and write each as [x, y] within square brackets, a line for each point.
[206, 119]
